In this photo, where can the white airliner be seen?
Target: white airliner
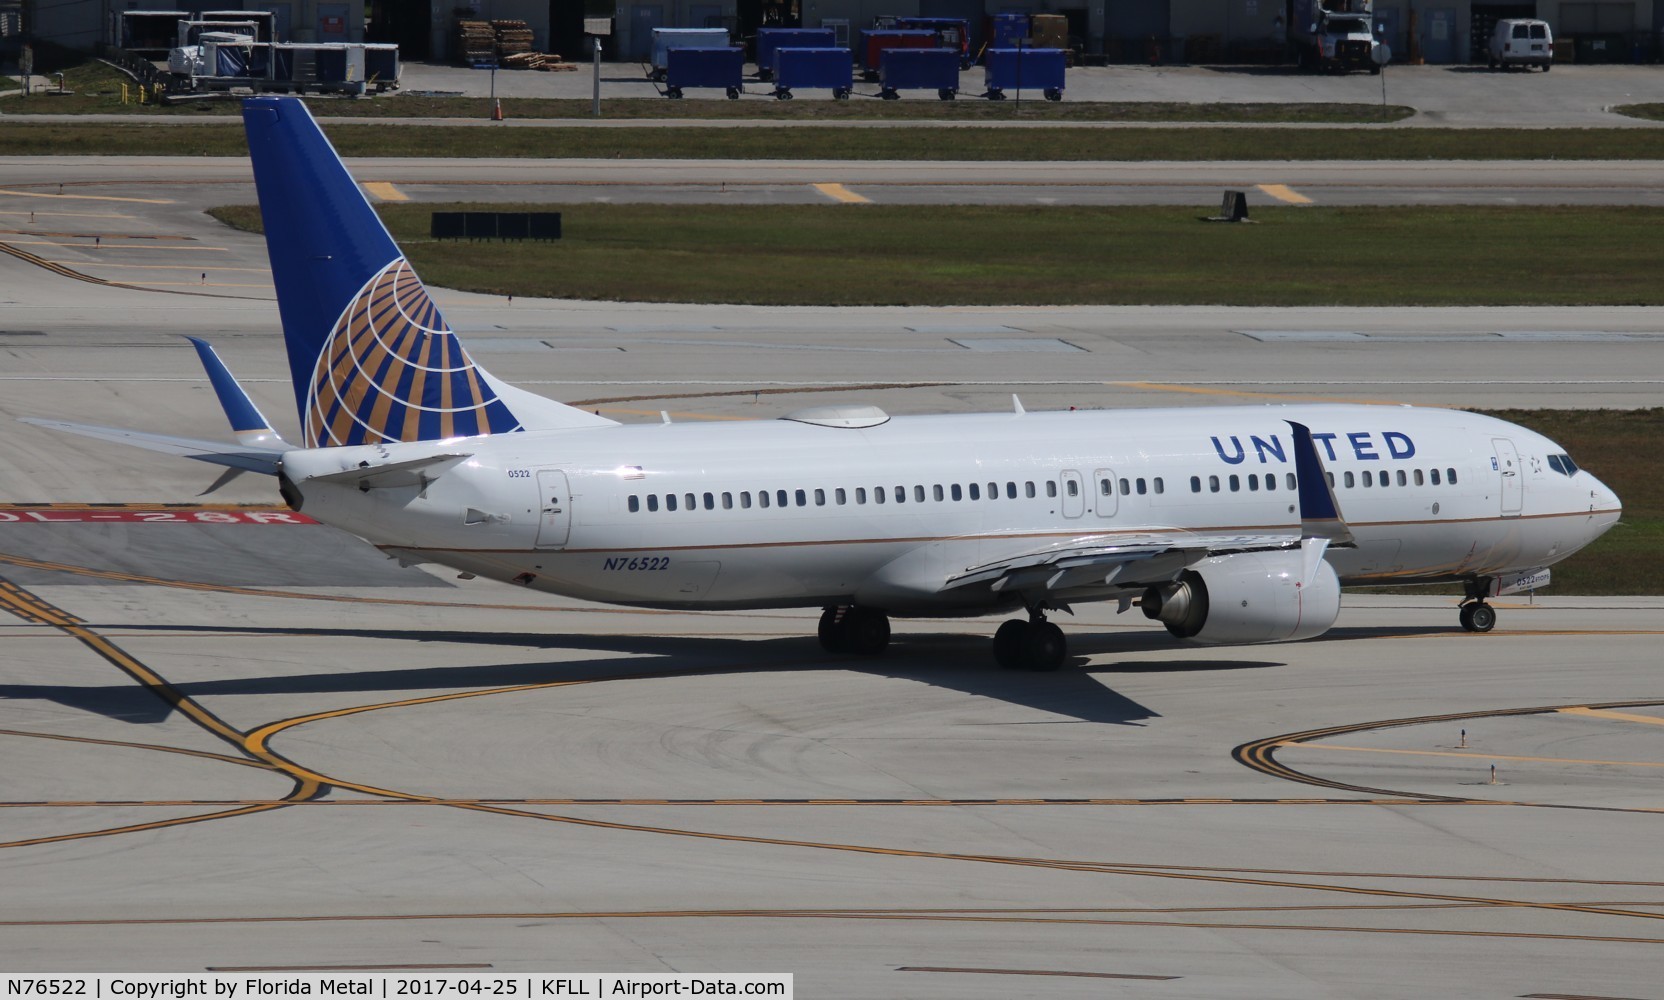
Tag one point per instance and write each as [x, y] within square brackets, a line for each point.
[1226, 524]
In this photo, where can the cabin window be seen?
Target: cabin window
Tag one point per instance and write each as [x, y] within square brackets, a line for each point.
[936, 491]
[1369, 478]
[710, 502]
[993, 491]
[762, 499]
[693, 502]
[652, 501]
[1270, 481]
[820, 498]
[727, 501]
[1195, 484]
[1140, 485]
[840, 497]
[1291, 483]
[745, 499]
[1160, 486]
[1074, 487]
[861, 495]
[1011, 490]
[1450, 476]
[1051, 488]
[779, 498]
[976, 492]
[1327, 475]
[901, 494]
[670, 501]
[1126, 487]
[956, 492]
[918, 494]
[1104, 488]
[1419, 478]
[634, 504]
[802, 498]
[1385, 478]
[1401, 480]
[878, 494]
[1213, 484]
[1236, 484]
[1350, 481]
[1253, 483]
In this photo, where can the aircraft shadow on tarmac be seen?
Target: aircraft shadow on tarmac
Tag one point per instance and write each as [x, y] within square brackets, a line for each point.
[952, 662]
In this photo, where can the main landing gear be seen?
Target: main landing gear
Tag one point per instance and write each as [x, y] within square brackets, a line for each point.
[1036, 644]
[1477, 616]
[862, 631]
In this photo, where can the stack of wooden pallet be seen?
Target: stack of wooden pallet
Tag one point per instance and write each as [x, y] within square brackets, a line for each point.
[475, 42]
[513, 37]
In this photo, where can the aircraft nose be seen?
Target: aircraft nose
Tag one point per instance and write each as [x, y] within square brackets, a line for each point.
[1602, 497]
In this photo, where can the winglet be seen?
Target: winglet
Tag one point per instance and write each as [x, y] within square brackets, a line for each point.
[1319, 511]
[250, 427]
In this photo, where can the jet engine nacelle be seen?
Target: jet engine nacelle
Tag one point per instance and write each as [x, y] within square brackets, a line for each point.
[1248, 597]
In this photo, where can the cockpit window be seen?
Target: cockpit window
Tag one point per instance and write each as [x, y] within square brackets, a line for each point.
[1562, 464]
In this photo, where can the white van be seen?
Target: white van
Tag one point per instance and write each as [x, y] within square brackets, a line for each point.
[1522, 42]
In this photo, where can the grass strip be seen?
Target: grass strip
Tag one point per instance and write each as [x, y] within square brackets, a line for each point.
[96, 89]
[1647, 112]
[1037, 255]
[971, 142]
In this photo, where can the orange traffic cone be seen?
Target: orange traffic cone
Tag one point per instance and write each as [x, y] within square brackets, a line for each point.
[497, 111]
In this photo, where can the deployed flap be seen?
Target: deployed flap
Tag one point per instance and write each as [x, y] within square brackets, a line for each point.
[250, 459]
[1319, 510]
[1119, 559]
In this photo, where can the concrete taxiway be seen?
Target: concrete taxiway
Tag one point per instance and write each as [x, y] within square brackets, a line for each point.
[233, 738]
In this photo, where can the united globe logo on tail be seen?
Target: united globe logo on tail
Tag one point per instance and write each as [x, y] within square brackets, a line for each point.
[392, 370]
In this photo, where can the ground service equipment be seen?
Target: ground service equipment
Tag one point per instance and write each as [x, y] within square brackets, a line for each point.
[771, 39]
[1333, 35]
[875, 41]
[1023, 69]
[665, 39]
[814, 68]
[724, 68]
[920, 69]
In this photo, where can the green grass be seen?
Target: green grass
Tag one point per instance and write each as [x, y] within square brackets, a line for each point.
[1649, 112]
[971, 142]
[1000, 255]
[97, 90]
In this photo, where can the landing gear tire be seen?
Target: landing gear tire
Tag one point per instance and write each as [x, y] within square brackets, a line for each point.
[1037, 646]
[861, 631]
[1478, 617]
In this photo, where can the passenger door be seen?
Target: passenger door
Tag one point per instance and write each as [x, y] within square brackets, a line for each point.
[1074, 497]
[1508, 466]
[554, 521]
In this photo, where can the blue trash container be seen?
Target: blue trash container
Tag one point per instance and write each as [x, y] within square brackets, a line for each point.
[1009, 29]
[830, 68]
[665, 39]
[718, 67]
[920, 69]
[769, 40]
[1023, 69]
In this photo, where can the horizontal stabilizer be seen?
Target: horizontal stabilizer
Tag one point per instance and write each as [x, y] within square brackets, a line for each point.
[418, 472]
[249, 459]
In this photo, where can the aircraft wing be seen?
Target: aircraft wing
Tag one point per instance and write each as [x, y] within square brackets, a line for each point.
[1094, 562]
[242, 457]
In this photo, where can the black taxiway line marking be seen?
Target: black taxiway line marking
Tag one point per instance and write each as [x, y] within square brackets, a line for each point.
[1037, 972]
[1260, 755]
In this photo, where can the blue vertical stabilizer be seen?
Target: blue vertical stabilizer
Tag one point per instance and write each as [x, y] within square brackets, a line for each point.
[371, 357]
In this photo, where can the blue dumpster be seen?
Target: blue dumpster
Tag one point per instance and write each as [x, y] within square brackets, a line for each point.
[816, 68]
[951, 33]
[1023, 69]
[874, 41]
[920, 69]
[665, 39]
[723, 67]
[1009, 29]
[771, 39]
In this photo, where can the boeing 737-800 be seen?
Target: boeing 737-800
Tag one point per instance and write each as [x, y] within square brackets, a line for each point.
[1225, 524]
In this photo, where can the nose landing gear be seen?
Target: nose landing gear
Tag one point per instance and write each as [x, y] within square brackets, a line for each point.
[1477, 616]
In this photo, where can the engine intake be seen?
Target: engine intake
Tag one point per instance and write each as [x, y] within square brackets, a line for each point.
[1248, 597]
